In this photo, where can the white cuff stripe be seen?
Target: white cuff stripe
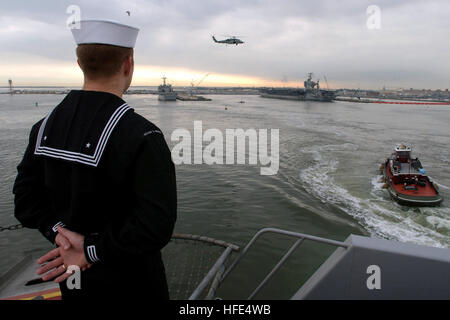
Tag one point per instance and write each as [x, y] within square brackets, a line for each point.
[59, 224]
[92, 254]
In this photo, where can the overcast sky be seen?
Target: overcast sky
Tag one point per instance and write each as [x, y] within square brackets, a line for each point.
[284, 40]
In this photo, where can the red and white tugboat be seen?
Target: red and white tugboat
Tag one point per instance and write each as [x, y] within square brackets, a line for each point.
[406, 180]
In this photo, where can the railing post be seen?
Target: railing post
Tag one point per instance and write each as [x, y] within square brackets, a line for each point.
[244, 251]
[215, 284]
[275, 269]
[212, 272]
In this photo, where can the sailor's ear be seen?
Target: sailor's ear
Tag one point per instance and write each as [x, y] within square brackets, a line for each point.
[128, 65]
[78, 61]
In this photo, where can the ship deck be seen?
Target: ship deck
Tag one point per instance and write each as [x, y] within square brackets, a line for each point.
[407, 168]
[425, 191]
[428, 271]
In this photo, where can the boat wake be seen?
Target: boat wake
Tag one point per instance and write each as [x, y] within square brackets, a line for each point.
[441, 185]
[380, 216]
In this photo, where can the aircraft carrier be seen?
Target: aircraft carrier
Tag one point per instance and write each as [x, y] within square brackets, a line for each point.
[311, 92]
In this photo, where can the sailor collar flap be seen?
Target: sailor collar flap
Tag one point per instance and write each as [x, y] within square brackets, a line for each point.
[79, 128]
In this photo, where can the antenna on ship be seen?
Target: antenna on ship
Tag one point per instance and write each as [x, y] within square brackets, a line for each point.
[11, 91]
[284, 80]
[326, 81]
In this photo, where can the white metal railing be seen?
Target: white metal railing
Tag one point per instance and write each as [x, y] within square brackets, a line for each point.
[300, 238]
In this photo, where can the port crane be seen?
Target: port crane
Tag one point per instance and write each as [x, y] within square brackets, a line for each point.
[193, 85]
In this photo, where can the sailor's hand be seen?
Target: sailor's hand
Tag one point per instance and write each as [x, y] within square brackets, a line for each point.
[62, 241]
[58, 259]
[74, 255]
[56, 264]
[54, 261]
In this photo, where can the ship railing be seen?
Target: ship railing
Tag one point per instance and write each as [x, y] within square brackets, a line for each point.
[219, 273]
[212, 278]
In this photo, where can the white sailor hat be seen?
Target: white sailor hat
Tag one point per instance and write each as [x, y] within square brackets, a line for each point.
[105, 32]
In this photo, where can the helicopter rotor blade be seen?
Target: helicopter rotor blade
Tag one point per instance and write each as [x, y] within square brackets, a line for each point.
[232, 36]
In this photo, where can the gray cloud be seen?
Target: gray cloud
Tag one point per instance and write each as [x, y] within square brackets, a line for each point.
[283, 38]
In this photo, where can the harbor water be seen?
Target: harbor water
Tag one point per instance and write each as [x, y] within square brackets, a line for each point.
[327, 185]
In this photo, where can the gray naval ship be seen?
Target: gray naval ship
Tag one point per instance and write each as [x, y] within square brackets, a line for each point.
[166, 92]
[311, 92]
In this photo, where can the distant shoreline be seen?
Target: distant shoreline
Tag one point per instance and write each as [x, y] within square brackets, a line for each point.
[65, 90]
[220, 91]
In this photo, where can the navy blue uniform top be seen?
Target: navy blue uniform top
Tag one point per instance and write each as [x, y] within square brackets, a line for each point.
[100, 169]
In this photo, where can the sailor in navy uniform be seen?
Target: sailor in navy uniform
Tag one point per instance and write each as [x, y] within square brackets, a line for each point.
[99, 169]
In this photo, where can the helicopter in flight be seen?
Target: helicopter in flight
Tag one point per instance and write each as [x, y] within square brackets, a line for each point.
[231, 40]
